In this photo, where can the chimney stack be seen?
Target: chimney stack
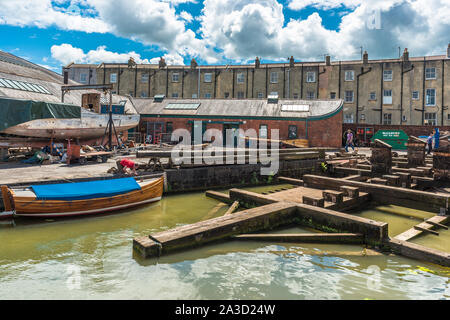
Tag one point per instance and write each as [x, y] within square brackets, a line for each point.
[365, 58]
[291, 62]
[328, 60]
[257, 63]
[193, 64]
[66, 75]
[162, 63]
[448, 51]
[406, 55]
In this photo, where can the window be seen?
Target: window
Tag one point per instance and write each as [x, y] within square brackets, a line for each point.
[274, 93]
[295, 95]
[263, 131]
[169, 127]
[226, 95]
[430, 118]
[310, 95]
[448, 117]
[182, 106]
[175, 95]
[431, 97]
[113, 78]
[373, 96]
[430, 73]
[349, 75]
[143, 94]
[404, 118]
[292, 133]
[387, 75]
[332, 95]
[83, 77]
[175, 77]
[194, 96]
[387, 97]
[415, 95]
[349, 96]
[240, 78]
[240, 95]
[363, 117]
[21, 85]
[310, 77]
[207, 95]
[274, 77]
[144, 78]
[260, 95]
[208, 77]
[348, 117]
[295, 107]
[387, 118]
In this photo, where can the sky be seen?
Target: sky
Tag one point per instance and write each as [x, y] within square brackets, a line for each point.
[56, 33]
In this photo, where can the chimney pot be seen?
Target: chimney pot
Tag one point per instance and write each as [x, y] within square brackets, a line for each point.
[328, 60]
[365, 57]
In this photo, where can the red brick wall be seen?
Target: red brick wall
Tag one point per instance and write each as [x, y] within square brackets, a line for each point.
[321, 133]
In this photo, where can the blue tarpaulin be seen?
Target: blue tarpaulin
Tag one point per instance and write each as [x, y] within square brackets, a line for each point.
[85, 190]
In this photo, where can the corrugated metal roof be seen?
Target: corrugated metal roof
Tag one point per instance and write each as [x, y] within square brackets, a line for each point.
[243, 108]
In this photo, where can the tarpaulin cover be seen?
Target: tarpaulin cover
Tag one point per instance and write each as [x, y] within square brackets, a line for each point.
[85, 190]
[16, 111]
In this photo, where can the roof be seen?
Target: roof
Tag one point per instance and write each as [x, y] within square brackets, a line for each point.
[18, 69]
[234, 108]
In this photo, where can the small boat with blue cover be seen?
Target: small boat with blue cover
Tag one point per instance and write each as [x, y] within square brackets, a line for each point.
[80, 198]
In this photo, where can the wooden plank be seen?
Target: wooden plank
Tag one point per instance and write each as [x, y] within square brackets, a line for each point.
[6, 198]
[305, 237]
[295, 182]
[413, 232]
[233, 208]
[415, 251]
[218, 196]
[418, 227]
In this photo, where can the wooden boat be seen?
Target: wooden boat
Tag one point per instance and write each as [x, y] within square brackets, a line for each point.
[25, 203]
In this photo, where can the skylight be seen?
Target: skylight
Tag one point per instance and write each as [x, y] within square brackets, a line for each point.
[182, 106]
[23, 86]
[295, 107]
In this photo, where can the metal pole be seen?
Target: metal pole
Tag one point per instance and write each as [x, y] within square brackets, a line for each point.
[110, 122]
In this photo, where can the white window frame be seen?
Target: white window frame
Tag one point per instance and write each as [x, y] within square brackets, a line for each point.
[374, 97]
[260, 95]
[352, 95]
[240, 77]
[348, 77]
[363, 117]
[175, 77]
[241, 95]
[208, 95]
[274, 77]
[430, 73]
[427, 99]
[194, 96]
[430, 120]
[81, 77]
[145, 77]
[295, 96]
[348, 118]
[387, 99]
[385, 119]
[388, 75]
[308, 95]
[310, 76]
[418, 95]
[331, 95]
[113, 78]
[175, 95]
[207, 77]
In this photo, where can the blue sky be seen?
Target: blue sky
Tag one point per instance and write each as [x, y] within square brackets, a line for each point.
[54, 33]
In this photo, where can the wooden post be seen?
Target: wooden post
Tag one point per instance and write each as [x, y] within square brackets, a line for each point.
[6, 195]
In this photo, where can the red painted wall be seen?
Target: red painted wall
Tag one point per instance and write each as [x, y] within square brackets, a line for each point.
[321, 133]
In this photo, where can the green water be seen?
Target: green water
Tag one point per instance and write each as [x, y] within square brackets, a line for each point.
[38, 259]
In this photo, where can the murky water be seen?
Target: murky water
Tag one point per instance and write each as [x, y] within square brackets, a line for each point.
[91, 258]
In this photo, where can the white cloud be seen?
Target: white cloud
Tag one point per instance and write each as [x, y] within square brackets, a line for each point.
[323, 4]
[171, 59]
[186, 16]
[66, 53]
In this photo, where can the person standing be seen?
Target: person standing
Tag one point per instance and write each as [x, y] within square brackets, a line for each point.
[430, 143]
[349, 142]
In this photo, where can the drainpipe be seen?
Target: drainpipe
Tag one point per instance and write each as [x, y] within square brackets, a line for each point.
[182, 83]
[339, 89]
[284, 82]
[357, 91]
[423, 93]
[198, 85]
[318, 78]
[118, 81]
[301, 84]
[289, 83]
[253, 83]
[246, 86]
[232, 92]
[167, 82]
[267, 88]
[401, 92]
[135, 82]
[442, 94]
[382, 94]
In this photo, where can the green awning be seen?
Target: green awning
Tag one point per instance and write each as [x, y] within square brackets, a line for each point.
[16, 111]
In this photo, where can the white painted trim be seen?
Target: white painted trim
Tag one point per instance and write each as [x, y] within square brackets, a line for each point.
[76, 213]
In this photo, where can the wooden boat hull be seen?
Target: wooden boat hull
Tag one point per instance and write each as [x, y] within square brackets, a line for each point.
[31, 207]
[90, 125]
